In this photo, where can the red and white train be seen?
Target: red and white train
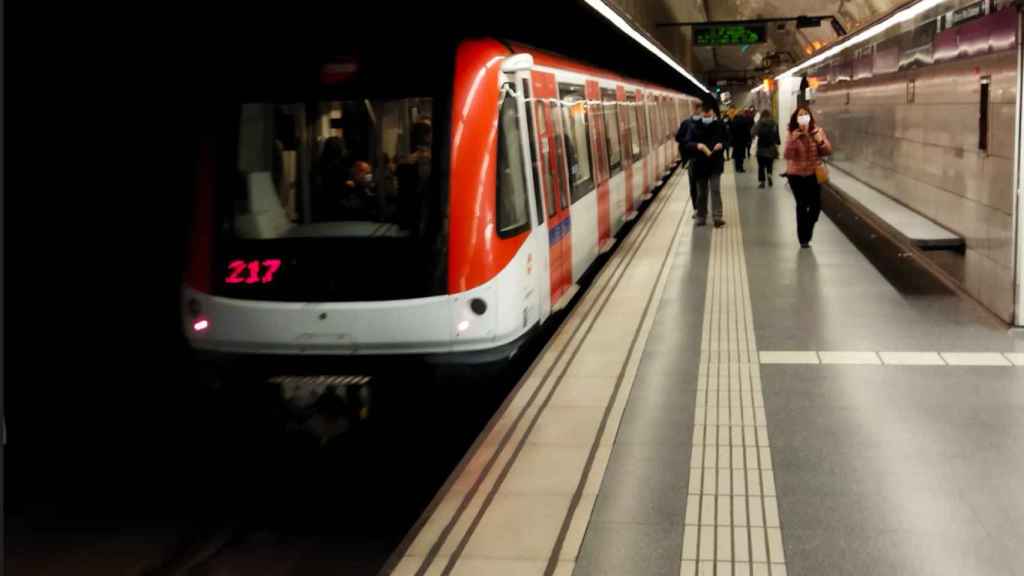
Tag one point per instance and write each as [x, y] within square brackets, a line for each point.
[359, 210]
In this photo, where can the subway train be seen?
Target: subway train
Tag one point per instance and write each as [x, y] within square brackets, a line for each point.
[369, 207]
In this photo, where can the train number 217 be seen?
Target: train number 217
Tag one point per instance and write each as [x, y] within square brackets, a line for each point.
[252, 272]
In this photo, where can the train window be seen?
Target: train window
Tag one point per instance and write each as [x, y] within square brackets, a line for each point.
[645, 127]
[513, 205]
[341, 192]
[658, 126]
[645, 139]
[535, 165]
[668, 117]
[559, 176]
[627, 131]
[548, 162]
[337, 168]
[661, 120]
[611, 131]
[652, 130]
[673, 118]
[633, 130]
[634, 123]
[652, 123]
[575, 121]
[665, 119]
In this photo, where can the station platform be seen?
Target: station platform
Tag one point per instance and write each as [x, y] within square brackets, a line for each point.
[724, 402]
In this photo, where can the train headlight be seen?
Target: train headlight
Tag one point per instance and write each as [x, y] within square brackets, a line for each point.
[463, 326]
[478, 306]
[201, 325]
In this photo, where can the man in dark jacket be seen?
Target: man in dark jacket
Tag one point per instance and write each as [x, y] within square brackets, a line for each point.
[741, 126]
[706, 146]
[684, 129]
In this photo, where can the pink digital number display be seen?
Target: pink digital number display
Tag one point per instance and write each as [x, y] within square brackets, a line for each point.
[252, 271]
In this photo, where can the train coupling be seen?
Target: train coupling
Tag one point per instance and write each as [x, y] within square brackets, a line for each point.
[326, 406]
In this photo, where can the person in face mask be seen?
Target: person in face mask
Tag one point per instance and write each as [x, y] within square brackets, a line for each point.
[706, 145]
[359, 199]
[688, 160]
[806, 145]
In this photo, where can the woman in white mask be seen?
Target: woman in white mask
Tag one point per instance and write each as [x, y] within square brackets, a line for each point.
[806, 145]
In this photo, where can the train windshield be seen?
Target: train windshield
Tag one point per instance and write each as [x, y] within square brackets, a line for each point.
[339, 195]
[343, 168]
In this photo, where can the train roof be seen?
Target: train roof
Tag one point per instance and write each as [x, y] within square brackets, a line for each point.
[553, 60]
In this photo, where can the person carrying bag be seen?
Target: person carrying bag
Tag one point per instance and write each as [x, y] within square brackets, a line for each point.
[806, 145]
[821, 173]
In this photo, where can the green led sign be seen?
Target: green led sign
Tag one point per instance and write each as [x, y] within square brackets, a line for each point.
[729, 35]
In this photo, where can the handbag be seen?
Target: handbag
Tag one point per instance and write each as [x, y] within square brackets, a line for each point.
[821, 173]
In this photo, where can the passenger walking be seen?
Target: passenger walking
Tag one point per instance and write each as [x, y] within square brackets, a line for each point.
[727, 121]
[688, 159]
[706, 145]
[806, 145]
[741, 126]
[767, 133]
[752, 117]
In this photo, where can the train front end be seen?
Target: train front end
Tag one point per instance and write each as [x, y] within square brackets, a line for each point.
[321, 228]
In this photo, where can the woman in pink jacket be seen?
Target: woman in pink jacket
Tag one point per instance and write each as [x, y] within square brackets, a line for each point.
[806, 145]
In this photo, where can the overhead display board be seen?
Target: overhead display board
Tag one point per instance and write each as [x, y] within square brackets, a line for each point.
[729, 35]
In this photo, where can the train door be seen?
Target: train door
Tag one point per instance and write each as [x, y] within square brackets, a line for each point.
[652, 148]
[674, 127]
[656, 136]
[625, 129]
[537, 266]
[601, 176]
[652, 119]
[666, 121]
[553, 181]
[645, 146]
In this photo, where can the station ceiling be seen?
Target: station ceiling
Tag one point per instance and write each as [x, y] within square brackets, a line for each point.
[569, 27]
[784, 45]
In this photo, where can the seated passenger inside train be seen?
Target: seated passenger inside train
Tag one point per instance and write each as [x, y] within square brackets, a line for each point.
[348, 188]
[358, 198]
[413, 174]
[386, 188]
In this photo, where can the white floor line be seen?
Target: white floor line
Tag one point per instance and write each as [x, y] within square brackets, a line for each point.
[892, 358]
